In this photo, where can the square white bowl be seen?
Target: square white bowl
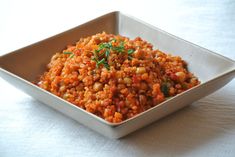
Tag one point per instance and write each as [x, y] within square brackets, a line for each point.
[24, 66]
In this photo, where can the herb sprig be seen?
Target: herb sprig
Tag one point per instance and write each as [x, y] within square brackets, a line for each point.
[106, 48]
[130, 52]
[71, 55]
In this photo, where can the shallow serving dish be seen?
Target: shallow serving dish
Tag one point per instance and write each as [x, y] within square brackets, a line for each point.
[213, 70]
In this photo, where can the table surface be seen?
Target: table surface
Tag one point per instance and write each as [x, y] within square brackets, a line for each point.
[205, 128]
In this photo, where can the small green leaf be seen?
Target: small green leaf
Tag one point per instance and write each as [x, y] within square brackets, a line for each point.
[101, 61]
[67, 52]
[71, 56]
[113, 40]
[165, 89]
[106, 65]
[107, 53]
[122, 44]
[105, 45]
[119, 48]
[130, 51]
[94, 59]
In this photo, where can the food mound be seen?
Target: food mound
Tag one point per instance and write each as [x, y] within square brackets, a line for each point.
[114, 77]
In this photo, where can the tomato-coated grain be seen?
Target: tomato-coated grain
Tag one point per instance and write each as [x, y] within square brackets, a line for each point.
[114, 77]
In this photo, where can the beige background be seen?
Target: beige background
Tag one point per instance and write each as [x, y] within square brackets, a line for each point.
[206, 128]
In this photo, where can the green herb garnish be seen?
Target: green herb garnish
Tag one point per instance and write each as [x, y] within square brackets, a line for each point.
[105, 45]
[106, 65]
[71, 56]
[107, 53]
[165, 89]
[102, 54]
[113, 40]
[130, 51]
[119, 48]
[102, 61]
[69, 53]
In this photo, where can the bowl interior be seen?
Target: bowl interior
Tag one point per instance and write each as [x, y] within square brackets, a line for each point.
[30, 62]
[202, 62]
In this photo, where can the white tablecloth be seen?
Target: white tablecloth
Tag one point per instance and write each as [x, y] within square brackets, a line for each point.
[205, 128]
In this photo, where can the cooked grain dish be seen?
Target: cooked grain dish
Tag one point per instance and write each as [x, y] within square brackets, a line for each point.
[114, 77]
